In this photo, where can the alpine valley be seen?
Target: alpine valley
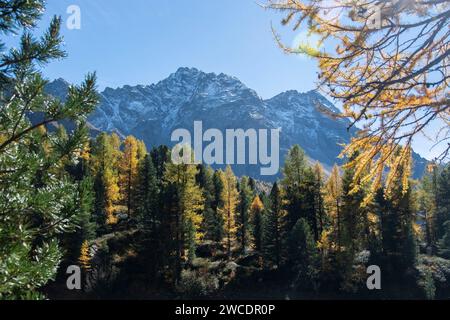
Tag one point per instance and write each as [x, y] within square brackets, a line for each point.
[152, 112]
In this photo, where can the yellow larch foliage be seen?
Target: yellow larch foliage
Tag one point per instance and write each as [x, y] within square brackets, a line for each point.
[257, 205]
[85, 258]
[230, 199]
[128, 167]
[392, 89]
[191, 201]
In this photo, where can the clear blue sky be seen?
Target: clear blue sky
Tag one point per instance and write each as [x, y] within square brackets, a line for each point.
[143, 41]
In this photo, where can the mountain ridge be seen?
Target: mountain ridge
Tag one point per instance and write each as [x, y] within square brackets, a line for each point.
[152, 112]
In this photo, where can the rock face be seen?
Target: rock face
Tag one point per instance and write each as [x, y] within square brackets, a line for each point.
[153, 112]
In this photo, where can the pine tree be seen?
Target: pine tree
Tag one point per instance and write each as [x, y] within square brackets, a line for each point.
[211, 220]
[442, 201]
[303, 255]
[319, 202]
[147, 196]
[293, 178]
[309, 198]
[444, 242]
[217, 225]
[230, 199]
[256, 212]
[160, 157]
[426, 197]
[245, 198]
[274, 227]
[333, 200]
[38, 200]
[355, 229]
[87, 227]
[398, 239]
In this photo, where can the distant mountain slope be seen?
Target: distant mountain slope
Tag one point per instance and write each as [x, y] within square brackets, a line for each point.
[153, 112]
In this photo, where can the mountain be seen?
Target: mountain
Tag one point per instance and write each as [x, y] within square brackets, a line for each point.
[153, 112]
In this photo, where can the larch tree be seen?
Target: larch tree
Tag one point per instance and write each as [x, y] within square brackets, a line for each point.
[85, 259]
[256, 213]
[388, 63]
[190, 206]
[128, 167]
[105, 156]
[38, 201]
[230, 201]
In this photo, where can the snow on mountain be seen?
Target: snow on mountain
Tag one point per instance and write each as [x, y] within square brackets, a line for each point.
[152, 112]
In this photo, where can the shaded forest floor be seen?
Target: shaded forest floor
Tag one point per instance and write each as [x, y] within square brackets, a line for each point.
[118, 274]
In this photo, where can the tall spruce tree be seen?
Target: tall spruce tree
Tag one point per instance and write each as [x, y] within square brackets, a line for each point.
[397, 217]
[333, 201]
[293, 181]
[274, 232]
[303, 255]
[442, 201]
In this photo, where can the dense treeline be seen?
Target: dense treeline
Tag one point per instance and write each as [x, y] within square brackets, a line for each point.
[107, 203]
[316, 229]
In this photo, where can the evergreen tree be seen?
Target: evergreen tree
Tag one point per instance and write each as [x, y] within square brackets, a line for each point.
[442, 201]
[252, 184]
[333, 200]
[293, 178]
[426, 197]
[38, 200]
[217, 225]
[397, 218]
[245, 198]
[148, 212]
[309, 198]
[206, 183]
[319, 202]
[160, 157]
[230, 199]
[273, 227]
[444, 243]
[355, 229]
[303, 255]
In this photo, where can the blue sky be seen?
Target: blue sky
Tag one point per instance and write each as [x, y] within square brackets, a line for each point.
[143, 41]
